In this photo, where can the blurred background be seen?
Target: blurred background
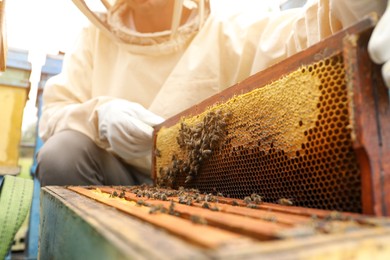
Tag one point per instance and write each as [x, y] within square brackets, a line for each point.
[40, 27]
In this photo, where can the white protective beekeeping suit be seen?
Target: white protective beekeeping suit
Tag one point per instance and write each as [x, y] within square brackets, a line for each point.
[170, 71]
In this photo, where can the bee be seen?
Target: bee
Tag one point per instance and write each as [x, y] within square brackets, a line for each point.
[285, 202]
[252, 206]
[215, 138]
[140, 202]
[335, 215]
[163, 210]
[182, 126]
[157, 152]
[156, 195]
[171, 210]
[206, 153]
[122, 194]
[235, 203]
[163, 197]
[214, 208]
[247, 200]
[270, 218]
[256, 198]
[323, 226]
[188, 178]
[198, 220]
[169, 193]
[186, 168]
[154, 209]
[208, 198]
[205, 205]
[114, 194]
[198, 199]
[196, 168]
[179, 141]
[205, 140]
[197, 144]
[174, 164]
[183, 199]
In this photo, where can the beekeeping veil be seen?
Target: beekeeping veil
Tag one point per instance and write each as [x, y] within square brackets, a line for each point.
[111, 24]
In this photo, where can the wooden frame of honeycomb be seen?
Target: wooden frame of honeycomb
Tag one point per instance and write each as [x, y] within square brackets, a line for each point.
[314, 128]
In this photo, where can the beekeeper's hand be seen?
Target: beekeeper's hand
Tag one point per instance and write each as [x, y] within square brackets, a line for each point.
[378, 46]
[127, 127]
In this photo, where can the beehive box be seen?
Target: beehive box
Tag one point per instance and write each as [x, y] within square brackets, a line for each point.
[14, 90]
[144, 222]
[314, 128]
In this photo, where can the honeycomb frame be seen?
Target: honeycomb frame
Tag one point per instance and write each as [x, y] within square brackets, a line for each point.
[311, 151]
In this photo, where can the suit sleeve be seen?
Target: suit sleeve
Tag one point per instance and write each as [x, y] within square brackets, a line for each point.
[295, 30]
[67, 99]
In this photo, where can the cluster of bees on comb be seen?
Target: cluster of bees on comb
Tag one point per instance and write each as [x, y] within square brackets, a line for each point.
[190, 196]
[185, 196]
[199, 142]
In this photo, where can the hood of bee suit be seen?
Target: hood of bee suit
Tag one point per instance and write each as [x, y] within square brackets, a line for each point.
[112, 24]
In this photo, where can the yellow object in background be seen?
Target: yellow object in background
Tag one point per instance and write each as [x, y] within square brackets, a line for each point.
[14, 89]
[12, 101]
[3, 39]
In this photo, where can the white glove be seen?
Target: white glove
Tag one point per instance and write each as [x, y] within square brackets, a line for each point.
[128, 127]
[378, 46]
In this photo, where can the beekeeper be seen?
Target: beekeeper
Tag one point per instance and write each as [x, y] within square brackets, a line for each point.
[144, 61]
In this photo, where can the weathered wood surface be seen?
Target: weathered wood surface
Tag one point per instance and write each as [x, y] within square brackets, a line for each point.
[77, 227]
[202, 235]
[370, 122]
[261, 222]
[265, 222]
